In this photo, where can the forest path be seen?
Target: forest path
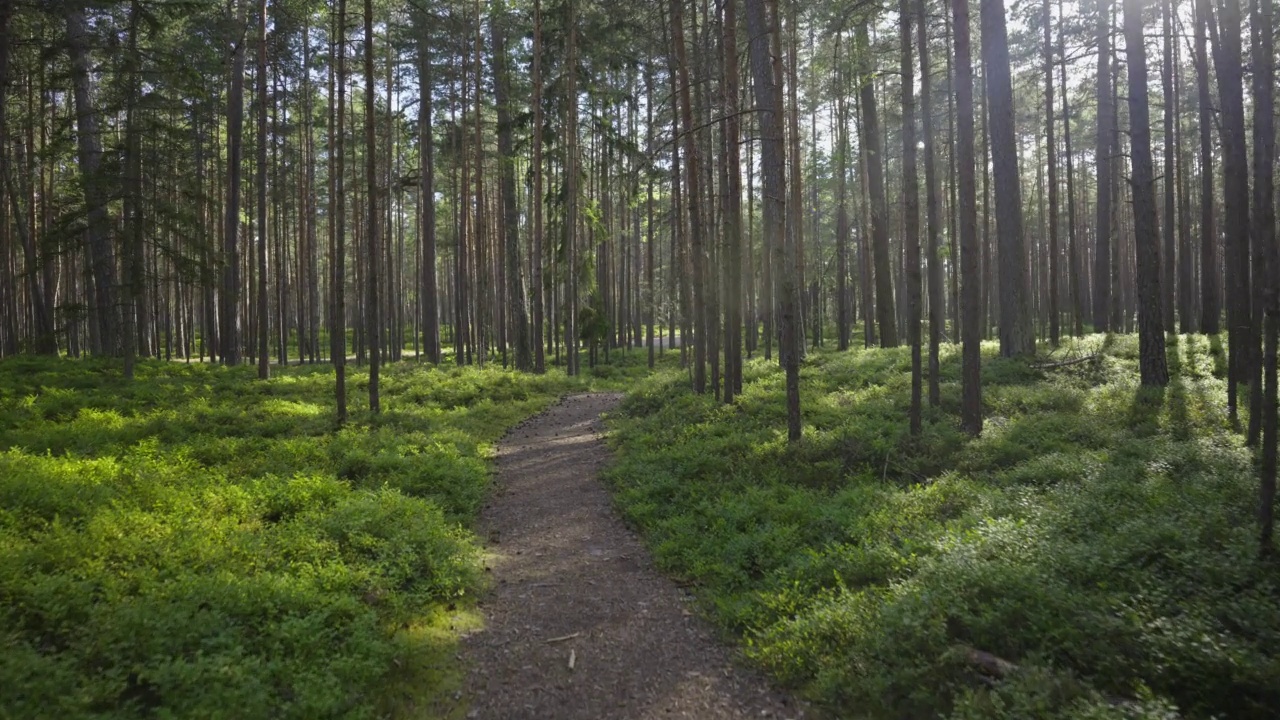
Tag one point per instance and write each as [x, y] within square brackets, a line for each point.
[578, 623]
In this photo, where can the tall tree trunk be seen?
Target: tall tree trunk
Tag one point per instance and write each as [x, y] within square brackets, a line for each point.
[1076, 264]
[761, 29]
[428, 290]
[844, 321]
[970, 270]
[1262, 227]
[1267, 260]
[230, 296]
[264, 321]
[571, 190]
[693, 182]
[733, 207]
[132, 205]
[1102, 159]
[1146, 226]
[932, 207]
[1242, 343]
[1017, 336]
[539, 355]
[1210, 290]
[1052, 179]
[1188, 320]
[507, 180]
[309, 207]
[911, 214]
[1168, 280]
[886, 314]
[340, 215]
[103, 309]
[372, 242]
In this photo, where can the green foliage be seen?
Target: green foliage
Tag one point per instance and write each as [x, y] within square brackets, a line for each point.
[202, 544]
[1097, 535]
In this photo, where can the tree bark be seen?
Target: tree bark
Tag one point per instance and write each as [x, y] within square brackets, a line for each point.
[89, 142]
[1262, 227]
[911, 215]
[264, 322]
[693, 182]
[1168, 279]
[733, 207]
[507, 180]
[340, 215]
[1146, 226]
[1102, 160]
[933, 210]
[886, 314]
[1017, 336]
[1052, 179]
[1210, 290]
[1241, 340]
[1267, 257]
[970, 270]
[428, 290]
[761, 28]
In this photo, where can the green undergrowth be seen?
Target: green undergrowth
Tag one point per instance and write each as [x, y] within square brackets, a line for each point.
[1099, 536]
[201, 544]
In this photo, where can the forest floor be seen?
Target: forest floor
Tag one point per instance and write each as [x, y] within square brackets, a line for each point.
[1097, 536]
[579, 623]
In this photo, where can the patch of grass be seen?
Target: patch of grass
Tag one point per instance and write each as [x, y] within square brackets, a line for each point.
[1098, 535]
[202, 544]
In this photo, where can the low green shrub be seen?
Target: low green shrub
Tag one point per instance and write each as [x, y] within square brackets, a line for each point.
[201, 544]
[1098, 536]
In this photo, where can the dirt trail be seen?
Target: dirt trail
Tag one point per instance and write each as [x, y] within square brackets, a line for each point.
[573, 585]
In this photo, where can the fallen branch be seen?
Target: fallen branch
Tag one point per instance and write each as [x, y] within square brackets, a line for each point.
[1065, 363]
[989, 664]
[562, 638]
[573, 657]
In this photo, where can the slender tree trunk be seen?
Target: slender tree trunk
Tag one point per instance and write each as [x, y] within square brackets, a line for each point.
[733, 207]
[1242, 343]
[1102, 157]
[571, 190]
[430, 301]
[1076, 265]
[1152, 365]
[911, 214]
[844, 321]
[693, 182]
[1188, 319]
[230, 296]
[1052, 179]
[937, 315]
[1210, 290]
[340, 210]
[1265, 238]
[372, 242]
[761, 28]
[539, 355]
[102, 263]
[507, 180]
[886, 315]
[1168, 279]
[1262, 227]
[970, 270]
[132, 202]
[264, 360]
[1017, 336]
